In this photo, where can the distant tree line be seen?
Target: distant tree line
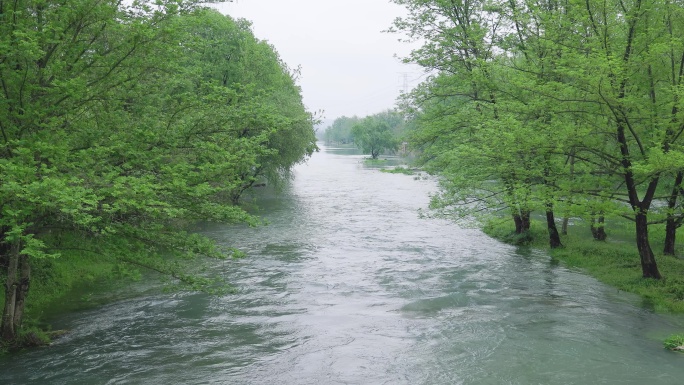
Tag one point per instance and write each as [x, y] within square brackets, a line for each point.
[373, 134]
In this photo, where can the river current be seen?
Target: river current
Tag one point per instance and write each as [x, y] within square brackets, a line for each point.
[347, 285]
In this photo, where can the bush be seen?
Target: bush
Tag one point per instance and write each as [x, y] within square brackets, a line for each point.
[674, 342]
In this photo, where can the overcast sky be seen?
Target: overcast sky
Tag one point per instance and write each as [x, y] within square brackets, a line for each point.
[348, 64]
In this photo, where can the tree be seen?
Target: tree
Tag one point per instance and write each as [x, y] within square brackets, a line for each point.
[478, 130]
[595, 83]
[625, 81]
[123, 124]
[374, 135]
[61, 66]
[253, 94]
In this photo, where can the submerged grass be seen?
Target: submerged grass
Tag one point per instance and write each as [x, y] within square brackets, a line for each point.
[374, 162]
[615, 261]
[56, 279]
[399, 170]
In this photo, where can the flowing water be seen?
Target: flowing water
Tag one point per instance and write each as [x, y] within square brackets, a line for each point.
[347, 285]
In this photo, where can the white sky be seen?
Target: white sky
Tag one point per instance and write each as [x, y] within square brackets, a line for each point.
[348, 64]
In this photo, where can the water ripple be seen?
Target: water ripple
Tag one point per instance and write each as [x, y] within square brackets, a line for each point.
[346, 285]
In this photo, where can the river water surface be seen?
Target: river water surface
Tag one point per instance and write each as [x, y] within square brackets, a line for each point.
[346, 285]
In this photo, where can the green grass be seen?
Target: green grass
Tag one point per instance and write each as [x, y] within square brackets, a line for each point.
[55, 281]
[615, 262]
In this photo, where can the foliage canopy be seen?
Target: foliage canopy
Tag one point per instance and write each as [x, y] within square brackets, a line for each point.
[125, 123]
[553, 105]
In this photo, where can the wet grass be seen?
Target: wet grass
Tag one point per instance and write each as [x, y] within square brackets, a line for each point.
[67, 283]
[615, 261]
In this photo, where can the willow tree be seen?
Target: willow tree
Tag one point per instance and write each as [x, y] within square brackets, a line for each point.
[373, 135]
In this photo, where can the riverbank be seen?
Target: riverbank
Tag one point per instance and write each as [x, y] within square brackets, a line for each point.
[614, 261]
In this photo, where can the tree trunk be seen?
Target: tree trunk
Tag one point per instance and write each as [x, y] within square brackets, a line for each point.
[7, 330]
[522, 221]
[649, 267]
[601, 228]
[22, 290]
[672, 223]
[518, 223]
[564, 225]
[16, 290]
[554, 237]
[670, 236]
[525, 217]
[598, 231]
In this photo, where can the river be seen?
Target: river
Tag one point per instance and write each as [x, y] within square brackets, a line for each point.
[347, 285]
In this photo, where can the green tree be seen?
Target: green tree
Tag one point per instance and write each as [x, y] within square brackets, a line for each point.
[60, 66]
[123, 124]
[592, 85]
[374, 135]
[614, 70]
[258, 99]
[470, 131]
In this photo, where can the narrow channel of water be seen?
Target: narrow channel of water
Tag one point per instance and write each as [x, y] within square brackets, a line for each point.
[346, 285]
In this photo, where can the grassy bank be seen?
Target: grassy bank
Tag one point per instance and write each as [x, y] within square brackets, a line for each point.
[614, 261]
